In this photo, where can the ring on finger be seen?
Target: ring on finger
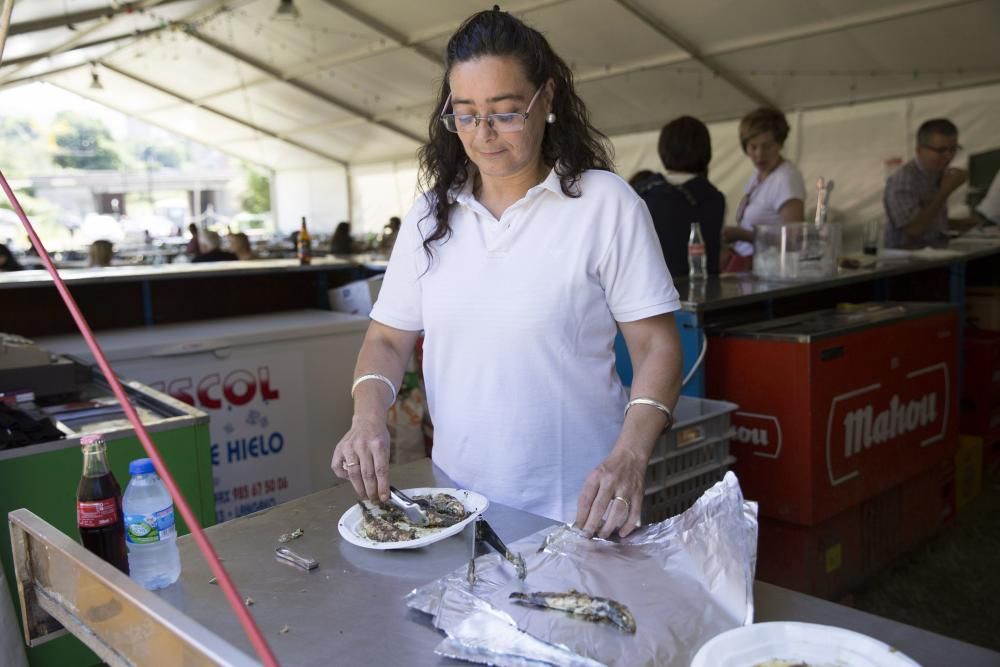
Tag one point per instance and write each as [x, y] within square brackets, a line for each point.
[347, 465]
[628, 505]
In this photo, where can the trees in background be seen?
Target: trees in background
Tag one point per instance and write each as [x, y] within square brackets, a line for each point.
[83, 142]
[23, 147]
[256, 197]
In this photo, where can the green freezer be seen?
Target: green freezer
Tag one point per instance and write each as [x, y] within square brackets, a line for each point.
[43, 478]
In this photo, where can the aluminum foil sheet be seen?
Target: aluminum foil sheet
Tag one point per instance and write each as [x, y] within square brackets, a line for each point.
[684, 580]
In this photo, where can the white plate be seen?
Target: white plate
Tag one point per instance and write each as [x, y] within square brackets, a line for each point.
[350, 523]
[816, 645]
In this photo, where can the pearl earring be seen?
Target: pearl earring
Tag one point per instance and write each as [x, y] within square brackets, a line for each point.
[551, 118]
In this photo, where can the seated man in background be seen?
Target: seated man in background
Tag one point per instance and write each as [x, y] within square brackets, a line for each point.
[916, 194]
[684, 195]
[210, 244]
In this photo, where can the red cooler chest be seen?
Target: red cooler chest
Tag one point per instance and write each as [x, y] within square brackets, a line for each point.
[837, 406]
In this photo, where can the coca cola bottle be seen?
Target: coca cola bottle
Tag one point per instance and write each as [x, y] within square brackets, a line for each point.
[99, 505]
[696, 253]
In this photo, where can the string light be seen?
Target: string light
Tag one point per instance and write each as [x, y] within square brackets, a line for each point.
[286, 11]
[95, 80]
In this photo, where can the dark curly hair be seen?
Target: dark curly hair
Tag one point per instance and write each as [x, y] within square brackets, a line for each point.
[571, 144]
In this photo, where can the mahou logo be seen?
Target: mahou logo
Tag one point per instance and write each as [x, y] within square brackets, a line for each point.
[761, 432]
[864, 420]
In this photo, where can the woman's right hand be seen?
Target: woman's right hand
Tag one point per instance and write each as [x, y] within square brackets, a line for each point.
[362, 456]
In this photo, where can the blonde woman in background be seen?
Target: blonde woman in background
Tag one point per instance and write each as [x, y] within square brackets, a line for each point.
[774, 194]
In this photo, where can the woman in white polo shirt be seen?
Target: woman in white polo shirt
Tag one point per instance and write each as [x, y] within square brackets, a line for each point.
[518, 263]
[774, 194]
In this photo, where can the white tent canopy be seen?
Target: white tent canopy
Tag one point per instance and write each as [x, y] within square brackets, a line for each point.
[340, 97]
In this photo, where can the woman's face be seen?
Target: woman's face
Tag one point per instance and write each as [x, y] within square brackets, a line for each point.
[764, 151]
[497, 85]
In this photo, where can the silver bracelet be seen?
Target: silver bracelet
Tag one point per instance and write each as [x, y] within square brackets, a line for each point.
[375, 376]
[655, 404]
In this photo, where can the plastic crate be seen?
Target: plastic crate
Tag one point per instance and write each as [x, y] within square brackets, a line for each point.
[696, 420]
[666, 500]
[665, 468]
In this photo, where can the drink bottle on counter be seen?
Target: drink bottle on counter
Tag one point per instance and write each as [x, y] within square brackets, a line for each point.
[149, 528]
[99, 505]
[305, 244]
[697, 267]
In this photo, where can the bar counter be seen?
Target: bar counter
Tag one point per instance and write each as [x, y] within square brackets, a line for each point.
[132, 273]
[351, 610]
[741, 289]
[130, 296]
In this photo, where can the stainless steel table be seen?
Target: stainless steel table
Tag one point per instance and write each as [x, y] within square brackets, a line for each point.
[350, 610]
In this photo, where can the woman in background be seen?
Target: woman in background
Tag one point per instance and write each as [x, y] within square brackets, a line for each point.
[341, 243]
[774, 194]
[685, 195]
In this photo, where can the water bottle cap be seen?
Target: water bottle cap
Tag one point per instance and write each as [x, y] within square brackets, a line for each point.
[141, 467]
[91, 438]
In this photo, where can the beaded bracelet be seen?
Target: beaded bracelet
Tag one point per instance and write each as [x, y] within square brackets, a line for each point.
[375, 376]
[655, 404]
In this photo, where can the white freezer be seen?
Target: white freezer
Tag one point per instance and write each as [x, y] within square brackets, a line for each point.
[277, 388]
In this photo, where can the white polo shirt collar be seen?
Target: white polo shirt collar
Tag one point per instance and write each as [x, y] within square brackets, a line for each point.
[465, 196]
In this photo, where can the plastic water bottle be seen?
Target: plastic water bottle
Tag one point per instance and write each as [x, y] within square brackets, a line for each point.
[697, 267]
[149, 528]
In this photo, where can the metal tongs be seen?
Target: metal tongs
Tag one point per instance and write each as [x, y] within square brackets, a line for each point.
[414, 513]
[289, 557]
[486, 536]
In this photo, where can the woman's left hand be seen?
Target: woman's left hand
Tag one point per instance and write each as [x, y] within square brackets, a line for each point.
[612, 495]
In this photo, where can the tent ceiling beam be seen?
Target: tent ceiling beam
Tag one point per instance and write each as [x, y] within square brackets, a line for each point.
[69, 19]
[80, 35]
[772, 39]
[223, 114]
[693, 53]
[13, 83]
[275, 73]
[6, 8]
[35, 57]
[322, 64]
[377, 26]
[834, 25]
[220, 147]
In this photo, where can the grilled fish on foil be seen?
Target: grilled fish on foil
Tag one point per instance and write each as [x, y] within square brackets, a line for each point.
[585, 606]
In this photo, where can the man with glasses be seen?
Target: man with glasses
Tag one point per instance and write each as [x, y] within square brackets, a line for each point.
[916, 195]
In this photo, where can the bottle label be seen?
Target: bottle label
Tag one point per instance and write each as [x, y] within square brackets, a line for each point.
[96, 513]
[696, 249]
[150, 528]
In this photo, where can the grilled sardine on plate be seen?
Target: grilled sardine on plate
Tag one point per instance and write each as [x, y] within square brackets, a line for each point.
[585, 606]
[388, 523]
[378, 529]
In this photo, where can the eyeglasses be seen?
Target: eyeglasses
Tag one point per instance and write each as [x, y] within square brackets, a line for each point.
[501, 122]
[944, 150]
